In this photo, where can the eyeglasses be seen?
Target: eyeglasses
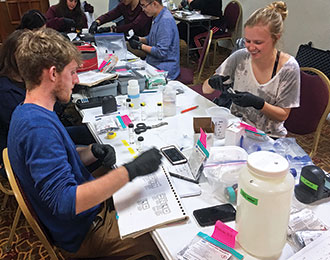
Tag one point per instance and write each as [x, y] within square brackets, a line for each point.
[145, 6]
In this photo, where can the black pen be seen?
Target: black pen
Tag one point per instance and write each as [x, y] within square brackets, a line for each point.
[182, 177]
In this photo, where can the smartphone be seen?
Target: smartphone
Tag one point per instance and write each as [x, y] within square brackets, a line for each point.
[208, 216]
[173, 155]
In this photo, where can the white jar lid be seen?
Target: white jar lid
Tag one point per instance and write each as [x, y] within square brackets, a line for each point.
[268, 164]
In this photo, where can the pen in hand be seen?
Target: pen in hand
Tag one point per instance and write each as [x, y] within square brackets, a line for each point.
[188, 109]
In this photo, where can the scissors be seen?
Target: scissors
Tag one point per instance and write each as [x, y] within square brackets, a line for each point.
[142, 127]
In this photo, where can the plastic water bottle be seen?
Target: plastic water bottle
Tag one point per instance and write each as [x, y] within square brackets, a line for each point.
[265, 190]
[133, 92]
[169, 101]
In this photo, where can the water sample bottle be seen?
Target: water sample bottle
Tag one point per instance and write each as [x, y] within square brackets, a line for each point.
[143, 111]
[131, 134]
[169, 101]
[128, 101]
[130, 111]
[133, 92]
[139, 144]
[265, 189]
[160, 111]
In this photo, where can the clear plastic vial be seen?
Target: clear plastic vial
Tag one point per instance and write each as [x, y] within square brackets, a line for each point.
[160, 111]
[131, 136]
[131, 111]
[128, 101]
[143, 111]
[139, 144]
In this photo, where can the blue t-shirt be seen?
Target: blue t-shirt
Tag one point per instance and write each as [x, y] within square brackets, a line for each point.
[49, 169]
[165, 43]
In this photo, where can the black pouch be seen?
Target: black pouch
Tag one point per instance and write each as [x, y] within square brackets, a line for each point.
[109, 104]
[308, 56]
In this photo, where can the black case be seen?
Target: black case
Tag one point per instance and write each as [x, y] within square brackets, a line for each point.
[308, 56]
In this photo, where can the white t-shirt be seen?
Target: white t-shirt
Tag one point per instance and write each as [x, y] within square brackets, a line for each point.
[283, 90]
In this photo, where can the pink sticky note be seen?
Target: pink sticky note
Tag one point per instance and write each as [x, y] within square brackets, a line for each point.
[203, 137]
[118, 70]
[126, 120]
[160, 70]
[224, 234]
[248, 127]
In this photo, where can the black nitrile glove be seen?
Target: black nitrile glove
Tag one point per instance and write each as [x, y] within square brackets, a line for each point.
[93, 27]
[69, 24]
[184, 3]
[246, 99]
[135, 44]
[217, 82]
[146, 163]
[88, 8]
[106, 153]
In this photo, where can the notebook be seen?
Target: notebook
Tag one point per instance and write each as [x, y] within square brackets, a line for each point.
[147, 203]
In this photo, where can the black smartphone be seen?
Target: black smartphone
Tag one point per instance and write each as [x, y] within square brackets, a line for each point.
[208, 216]
[173, 155]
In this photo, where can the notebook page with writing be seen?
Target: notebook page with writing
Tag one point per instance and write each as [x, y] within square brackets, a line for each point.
[146, 203]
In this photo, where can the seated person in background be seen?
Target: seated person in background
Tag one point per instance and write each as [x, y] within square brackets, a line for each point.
[134, 18]
[67, 16]
[162, 45]
[32, 19]
[266, 80]
[69, 202]
[207, 7]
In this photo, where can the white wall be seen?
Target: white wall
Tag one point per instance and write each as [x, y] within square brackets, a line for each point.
[307, 20]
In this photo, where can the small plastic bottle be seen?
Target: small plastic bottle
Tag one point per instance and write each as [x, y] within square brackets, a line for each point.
[160, 111]
[131, 133]
[128, 101]
[139, 144]
[130, 111]
[143, 111]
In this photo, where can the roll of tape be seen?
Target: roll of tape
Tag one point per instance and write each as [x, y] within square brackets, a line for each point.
[111, 135]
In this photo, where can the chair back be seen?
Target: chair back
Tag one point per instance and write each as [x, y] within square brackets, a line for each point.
[203, 54]
[26, 208]
[232, 15]
[314, 106]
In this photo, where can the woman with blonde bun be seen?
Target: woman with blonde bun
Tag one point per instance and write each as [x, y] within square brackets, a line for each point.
[265, 80]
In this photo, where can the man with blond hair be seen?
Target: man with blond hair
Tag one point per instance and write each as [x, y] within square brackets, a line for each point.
[68, 200]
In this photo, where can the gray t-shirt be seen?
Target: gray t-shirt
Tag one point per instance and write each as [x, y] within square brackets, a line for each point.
[283, 90]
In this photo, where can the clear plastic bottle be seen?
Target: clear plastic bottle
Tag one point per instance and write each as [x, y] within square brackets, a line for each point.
[169, 101]
[131, 134]
[143, 111]
[128, 101]
[160, 111]
[265, 190]
[131, 111]
[139, 144]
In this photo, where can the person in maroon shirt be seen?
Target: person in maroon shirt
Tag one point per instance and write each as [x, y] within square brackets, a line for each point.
[134, 18]
[66, 16]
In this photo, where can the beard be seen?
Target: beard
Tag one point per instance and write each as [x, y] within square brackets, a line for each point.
[62, 93]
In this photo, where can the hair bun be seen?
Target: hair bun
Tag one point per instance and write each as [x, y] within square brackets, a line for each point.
[280, 7]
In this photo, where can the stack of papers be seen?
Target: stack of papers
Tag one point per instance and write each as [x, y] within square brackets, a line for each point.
[92, 78]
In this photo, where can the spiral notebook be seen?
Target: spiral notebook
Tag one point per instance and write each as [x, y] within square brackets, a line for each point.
[147, 203]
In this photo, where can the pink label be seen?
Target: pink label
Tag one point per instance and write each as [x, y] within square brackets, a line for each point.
[160, 70]
[126, 120]
[119, 70]
[203, 137]
[224, 234]
[248, 127]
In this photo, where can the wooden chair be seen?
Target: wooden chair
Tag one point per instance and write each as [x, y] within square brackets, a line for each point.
[232, 16]
[26, 208]
[187, 74]
[314, 106]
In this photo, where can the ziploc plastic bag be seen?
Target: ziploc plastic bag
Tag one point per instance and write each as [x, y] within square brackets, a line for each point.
[111, 43]
[222, 168]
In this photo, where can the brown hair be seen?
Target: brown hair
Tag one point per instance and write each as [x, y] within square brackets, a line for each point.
[8, 65]
[42, 49]
[273, 15]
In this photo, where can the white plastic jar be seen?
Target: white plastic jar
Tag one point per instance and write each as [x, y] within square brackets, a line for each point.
[133, 92]
[265, 189]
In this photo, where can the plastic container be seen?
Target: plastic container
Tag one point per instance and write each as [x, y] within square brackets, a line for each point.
[220, 119]
[169, 101]
[103, 89]
[222, 169]
[133, 92]
[265, 190]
